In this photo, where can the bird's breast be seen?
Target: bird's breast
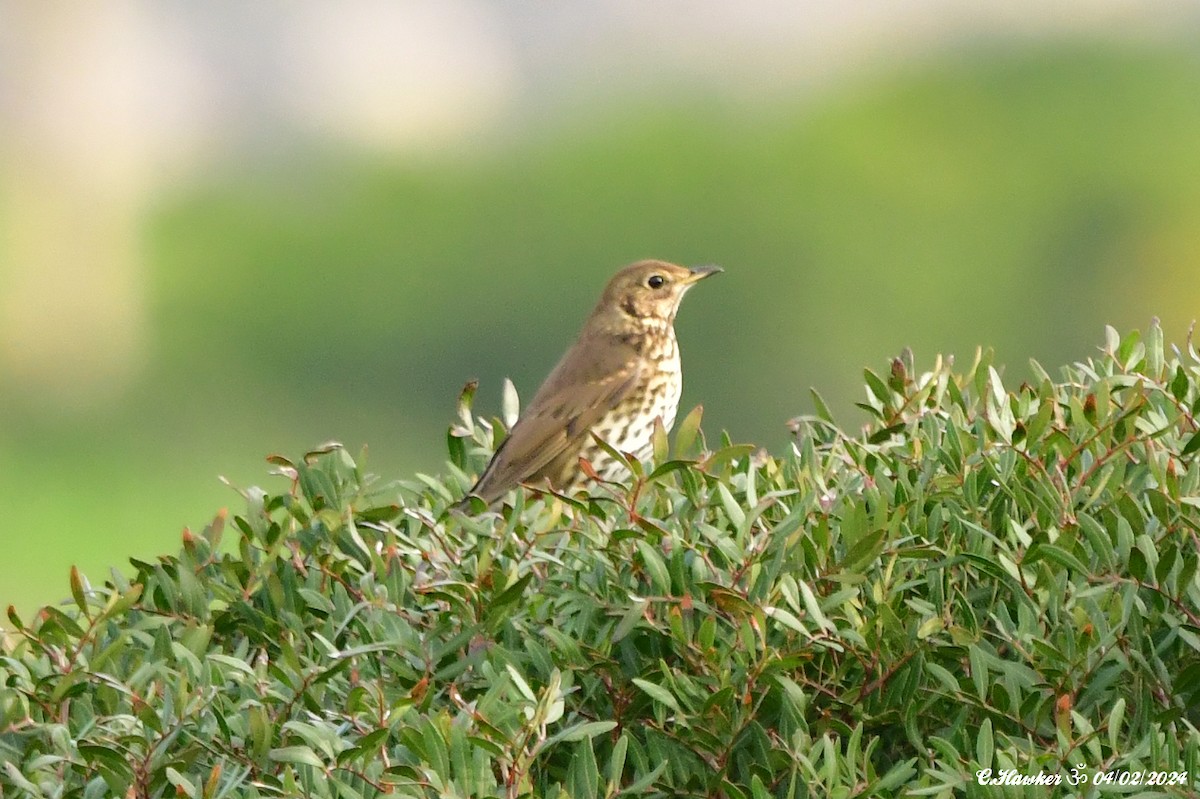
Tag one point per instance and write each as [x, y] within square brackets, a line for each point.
[629, 427]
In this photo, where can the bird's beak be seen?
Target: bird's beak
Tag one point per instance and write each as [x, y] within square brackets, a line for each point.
[701, 272]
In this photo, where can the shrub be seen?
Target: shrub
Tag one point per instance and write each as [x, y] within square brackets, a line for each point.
[981, 578]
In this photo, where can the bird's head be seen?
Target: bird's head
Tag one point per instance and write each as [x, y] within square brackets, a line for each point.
[647, 292]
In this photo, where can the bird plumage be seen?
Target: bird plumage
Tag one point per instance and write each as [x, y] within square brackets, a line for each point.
[619, 375]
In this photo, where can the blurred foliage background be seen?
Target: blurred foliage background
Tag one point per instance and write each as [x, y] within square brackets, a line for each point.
[208, 263]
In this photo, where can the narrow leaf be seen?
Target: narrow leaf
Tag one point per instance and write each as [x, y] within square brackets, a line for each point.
[657, 693]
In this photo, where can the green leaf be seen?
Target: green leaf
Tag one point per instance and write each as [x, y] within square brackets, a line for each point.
[713, 463]
[656, 568]
[520, 683]
[1154, 350]
[865, 550]
[1062, 557]
[899, 774]
[183, 786]
[1180, 384]
[657, 693]
[660, 446]
[737, 516]
[786, 619]
[931, 626]
[300, 755]
[18, 780]
[813, 607]
[107, 758]
[885, 433]
[509, 596]
[1116, 718]
[639, 786]
[687, 434]
[584, 729]
[77, 591]
[979, 672]
[948, 681]
[616, 764]
[984, 745]
[584, 776]
[877, 388]
[456, 448]
[667, 467]
[821, 408]
[629, 619]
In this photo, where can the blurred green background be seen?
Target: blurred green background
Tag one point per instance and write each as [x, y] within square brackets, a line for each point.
[283, 285]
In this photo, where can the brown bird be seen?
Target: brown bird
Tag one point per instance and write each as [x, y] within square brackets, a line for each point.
[621, 375]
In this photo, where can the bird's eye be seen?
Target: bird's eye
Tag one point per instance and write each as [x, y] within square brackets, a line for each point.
[655, 281]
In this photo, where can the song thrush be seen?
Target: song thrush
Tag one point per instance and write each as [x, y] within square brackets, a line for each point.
[620, 375]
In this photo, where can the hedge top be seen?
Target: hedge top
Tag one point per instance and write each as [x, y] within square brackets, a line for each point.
[982, 578]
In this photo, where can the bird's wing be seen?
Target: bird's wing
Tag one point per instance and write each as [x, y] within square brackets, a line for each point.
[557, 419]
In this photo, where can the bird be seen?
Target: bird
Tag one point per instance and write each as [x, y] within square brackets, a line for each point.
[620, 376]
